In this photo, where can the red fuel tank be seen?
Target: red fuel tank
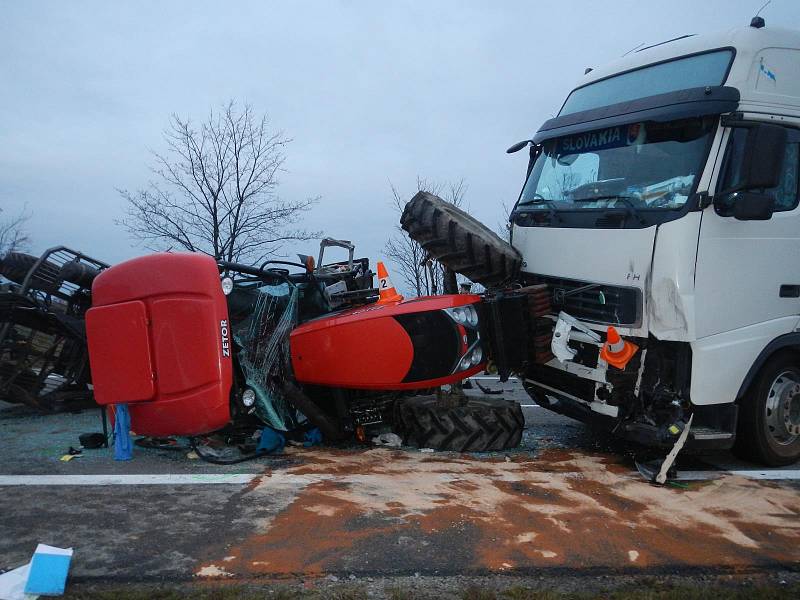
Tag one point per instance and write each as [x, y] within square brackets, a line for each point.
[159, 341]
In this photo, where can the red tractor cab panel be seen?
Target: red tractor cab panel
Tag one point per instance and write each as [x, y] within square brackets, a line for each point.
[159, 340]
[412, 344]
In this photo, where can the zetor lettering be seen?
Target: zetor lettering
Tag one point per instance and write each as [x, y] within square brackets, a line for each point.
[226, 350]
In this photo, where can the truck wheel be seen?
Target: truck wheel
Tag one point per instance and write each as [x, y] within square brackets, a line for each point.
[459, 241]
[473, 425]
[769, 416]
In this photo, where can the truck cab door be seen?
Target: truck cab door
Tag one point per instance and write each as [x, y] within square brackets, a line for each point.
[747, 278]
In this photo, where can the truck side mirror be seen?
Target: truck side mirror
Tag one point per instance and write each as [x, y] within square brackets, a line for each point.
[750, 206]
[762, 160]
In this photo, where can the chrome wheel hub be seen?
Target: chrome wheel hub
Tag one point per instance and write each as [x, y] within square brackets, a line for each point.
[782, 409]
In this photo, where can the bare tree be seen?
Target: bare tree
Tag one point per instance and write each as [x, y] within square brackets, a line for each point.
[215, 190]
[504, 225]
[420, 273]
[13, 236]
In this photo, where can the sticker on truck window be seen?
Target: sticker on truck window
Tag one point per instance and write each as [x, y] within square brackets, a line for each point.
[226, 345]
[611, 137]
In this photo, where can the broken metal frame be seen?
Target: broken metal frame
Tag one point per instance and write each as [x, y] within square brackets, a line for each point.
[46, 290]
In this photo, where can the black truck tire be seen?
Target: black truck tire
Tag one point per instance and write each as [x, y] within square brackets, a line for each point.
[472, 425]
[768, 414]
[459, 241]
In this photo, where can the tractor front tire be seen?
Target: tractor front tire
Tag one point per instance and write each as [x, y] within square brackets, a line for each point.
[471, 425]
[459, 241]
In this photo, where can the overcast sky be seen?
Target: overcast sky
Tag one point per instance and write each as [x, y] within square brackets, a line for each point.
[370, 92]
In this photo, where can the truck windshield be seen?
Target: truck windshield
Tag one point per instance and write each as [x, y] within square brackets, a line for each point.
[644, 165]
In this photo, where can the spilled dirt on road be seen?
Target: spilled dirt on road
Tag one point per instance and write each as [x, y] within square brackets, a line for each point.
[392, 511]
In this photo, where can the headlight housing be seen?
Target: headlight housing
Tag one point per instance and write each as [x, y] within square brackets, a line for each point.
[248, 397]
[466, 315]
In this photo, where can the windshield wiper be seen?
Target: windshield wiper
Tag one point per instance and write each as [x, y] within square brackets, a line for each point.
[626, 200]
[545, 201]
[537, 199]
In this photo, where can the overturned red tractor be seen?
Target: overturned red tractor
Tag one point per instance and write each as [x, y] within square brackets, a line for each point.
[193, 345]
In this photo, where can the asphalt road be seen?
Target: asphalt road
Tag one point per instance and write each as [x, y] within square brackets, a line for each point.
[568, 500]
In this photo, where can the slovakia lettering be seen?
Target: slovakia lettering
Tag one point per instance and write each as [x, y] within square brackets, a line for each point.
[593, 141]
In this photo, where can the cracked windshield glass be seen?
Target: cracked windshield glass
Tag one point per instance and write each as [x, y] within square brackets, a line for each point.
[647, 165]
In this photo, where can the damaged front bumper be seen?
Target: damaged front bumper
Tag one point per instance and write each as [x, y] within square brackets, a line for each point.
[647, 401]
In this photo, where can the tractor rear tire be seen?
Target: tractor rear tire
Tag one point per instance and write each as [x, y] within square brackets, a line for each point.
[472, 425]
[459, 241]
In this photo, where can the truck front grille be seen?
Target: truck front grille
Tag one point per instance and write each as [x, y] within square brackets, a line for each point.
[606, 304]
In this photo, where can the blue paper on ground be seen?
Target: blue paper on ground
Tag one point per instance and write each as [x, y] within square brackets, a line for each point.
[48, 572]
[123, 446]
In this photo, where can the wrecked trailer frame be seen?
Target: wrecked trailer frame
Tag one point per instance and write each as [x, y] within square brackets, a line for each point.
[43, 355]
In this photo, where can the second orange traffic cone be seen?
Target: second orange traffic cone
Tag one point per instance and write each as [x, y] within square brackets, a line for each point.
[385, 287]
[616, 351]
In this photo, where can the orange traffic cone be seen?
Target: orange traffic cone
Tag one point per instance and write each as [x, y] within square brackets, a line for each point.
[385, 287]
[616, 351]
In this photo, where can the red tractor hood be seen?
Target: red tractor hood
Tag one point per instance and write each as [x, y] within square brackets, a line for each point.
[411, 344]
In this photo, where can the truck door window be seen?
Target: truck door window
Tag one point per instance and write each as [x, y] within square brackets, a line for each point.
[786, 193]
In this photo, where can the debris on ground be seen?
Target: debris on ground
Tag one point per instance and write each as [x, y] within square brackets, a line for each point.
[271, 441]
[391, 440]
[12, 583]
[48, 570]
[123, 448]
[661, 472]
[312, 437]
[92, 441]
[487, 390]
[71, 453]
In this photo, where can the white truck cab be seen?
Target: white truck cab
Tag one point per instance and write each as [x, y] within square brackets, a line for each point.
[663, 201]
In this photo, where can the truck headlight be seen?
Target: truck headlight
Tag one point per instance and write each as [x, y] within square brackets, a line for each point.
[248, 397]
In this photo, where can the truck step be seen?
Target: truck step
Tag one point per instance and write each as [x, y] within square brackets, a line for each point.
[707, 434]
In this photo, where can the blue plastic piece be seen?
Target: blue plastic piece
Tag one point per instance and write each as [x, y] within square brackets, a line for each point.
[123, 447]
[313, 437]
[271, 442]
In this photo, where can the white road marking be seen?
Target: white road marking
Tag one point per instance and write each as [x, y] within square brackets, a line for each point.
[772, 475]
[288, 479]
[161, 479]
